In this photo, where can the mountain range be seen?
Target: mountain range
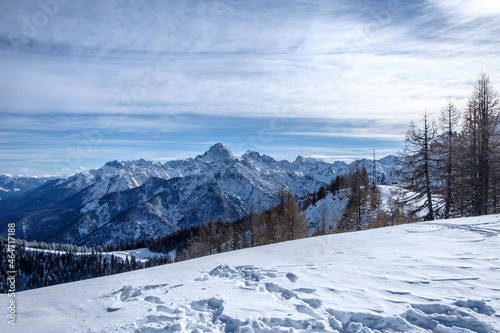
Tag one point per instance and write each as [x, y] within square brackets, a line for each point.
[132, 200]
[12, 185]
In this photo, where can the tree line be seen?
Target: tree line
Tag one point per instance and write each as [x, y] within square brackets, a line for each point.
[40, 268]
[452, 166]
[280, 223]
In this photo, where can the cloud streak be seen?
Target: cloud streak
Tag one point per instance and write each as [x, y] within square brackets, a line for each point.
[226, 69]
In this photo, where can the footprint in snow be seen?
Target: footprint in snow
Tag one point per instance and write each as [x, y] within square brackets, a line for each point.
[292, 277]
[162, 308]
[314, 303]
[285, 293]
[153, 299]
[305, 290]
[307, 310]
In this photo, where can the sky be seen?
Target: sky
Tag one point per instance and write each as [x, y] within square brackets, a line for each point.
[83, 83]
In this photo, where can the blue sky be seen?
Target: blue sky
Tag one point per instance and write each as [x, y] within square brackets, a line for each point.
[82, 83]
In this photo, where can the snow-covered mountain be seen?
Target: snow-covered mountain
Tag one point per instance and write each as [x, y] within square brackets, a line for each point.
[439, 276]
[12, 185]
[131, 200]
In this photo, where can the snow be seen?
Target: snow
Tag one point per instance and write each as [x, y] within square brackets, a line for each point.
[217, 152]
[329, 209]
[142, 254]
[440, 276]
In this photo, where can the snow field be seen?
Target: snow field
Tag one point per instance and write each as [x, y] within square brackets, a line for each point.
[441, 276]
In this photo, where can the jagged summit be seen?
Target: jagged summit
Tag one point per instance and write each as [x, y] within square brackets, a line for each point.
[115, 164]
[218, 152]
[251, 154]
[302, 159]
[257, 157]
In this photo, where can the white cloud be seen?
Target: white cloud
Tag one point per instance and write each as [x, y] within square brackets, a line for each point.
[351, 133]
[468, 9]
[295, 59]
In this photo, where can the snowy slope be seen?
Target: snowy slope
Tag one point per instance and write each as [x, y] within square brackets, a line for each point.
[331, 208]
[328, 210]
[441, 276]
[142, 254]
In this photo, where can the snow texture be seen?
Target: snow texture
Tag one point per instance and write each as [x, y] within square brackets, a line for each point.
[440, 276]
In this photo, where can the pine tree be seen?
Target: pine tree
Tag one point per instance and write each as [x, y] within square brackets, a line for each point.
[321, 193]
[235, 236]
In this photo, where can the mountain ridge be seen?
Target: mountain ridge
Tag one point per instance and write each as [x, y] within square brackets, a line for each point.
[130, 200]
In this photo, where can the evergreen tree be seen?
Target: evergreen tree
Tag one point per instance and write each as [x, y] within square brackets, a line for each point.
[235, 236]
[321, 193]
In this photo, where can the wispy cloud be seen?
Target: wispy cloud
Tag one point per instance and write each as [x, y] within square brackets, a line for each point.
[467, 10]
[223, 70]
[348, 134]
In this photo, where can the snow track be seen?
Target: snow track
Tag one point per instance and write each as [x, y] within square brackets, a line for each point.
[305, 313]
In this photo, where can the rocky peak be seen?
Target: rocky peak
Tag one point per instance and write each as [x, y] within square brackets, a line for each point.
[115, 164]
[257, 157]
[217, 152]
[251, 155]
[301, 160]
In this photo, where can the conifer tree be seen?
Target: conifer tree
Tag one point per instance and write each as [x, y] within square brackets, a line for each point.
[481, 146]
[292, 224]
[418, 164]
[446, 152]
